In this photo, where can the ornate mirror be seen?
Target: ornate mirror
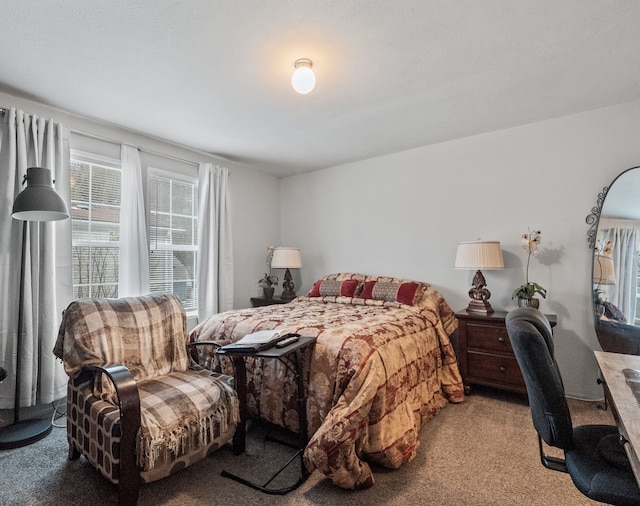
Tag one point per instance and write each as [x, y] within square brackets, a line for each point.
[614, 238]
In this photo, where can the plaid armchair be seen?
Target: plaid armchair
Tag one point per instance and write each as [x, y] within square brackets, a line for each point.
[138, 406]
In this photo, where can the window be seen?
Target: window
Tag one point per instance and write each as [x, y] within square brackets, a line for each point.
[173, 235]
[95, 212]
[95, 225]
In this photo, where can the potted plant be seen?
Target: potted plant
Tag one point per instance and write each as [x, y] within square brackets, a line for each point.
[526, 293]
[268, 283]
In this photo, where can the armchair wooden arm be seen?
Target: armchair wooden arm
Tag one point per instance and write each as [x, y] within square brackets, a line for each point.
[192, 347]
[129, 406]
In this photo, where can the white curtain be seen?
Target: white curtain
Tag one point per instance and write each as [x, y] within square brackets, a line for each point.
[28, 141]
[133, 262]
[215, 253]
[625, 261]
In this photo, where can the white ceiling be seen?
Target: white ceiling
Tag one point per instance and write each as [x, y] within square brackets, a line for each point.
[391, 74]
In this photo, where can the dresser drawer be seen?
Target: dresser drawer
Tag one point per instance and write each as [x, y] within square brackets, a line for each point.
[484, 352]
[495, 368]
[494, 338]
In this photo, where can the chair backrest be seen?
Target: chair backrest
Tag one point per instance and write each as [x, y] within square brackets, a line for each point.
[148, 334]
[532, 342]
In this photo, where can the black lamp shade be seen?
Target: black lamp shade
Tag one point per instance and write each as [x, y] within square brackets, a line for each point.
[39, 200]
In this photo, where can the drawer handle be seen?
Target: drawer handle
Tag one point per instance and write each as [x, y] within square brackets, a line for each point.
[503, 368]
[501, 339]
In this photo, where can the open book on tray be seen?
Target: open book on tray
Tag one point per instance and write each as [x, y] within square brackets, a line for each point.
[257, 341]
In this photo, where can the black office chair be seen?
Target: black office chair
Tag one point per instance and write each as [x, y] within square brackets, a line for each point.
[593, 454]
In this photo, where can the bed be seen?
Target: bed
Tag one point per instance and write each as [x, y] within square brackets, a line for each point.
[383, 364]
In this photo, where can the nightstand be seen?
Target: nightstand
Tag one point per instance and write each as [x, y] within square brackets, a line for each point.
[485, 355]
[262, 301]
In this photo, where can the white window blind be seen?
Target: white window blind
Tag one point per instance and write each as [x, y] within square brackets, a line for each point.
[173, 235]
[95, 225]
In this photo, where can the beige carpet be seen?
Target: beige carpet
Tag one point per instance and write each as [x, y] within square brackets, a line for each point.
[481, 452]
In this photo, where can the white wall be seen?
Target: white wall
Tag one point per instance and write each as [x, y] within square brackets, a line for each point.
[254, 195]
[404, 214]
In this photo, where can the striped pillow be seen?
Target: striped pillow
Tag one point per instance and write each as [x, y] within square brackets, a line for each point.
[334, 288]
[404, 293]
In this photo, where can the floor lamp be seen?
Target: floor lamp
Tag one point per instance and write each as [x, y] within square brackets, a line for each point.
[37, 202]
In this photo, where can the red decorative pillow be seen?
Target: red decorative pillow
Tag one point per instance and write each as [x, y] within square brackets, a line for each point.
[367, 289]
[332, 287]
[404, 293]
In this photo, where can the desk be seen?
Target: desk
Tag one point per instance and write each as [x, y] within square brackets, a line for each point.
[290, 357]
[624, 405]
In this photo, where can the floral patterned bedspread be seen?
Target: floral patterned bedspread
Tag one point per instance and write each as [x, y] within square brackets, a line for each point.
[378, 371]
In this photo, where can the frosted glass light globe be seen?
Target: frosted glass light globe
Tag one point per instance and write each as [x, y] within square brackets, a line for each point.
[303, 79]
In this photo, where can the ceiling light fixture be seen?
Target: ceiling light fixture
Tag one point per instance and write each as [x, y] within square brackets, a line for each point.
[303, 79]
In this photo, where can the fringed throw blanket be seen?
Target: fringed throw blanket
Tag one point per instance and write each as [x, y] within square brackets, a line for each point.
[164, 428]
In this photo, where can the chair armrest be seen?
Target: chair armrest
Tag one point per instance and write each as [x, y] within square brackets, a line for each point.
[126, 390]
[129, 406]
[193, 345]
[215, 344]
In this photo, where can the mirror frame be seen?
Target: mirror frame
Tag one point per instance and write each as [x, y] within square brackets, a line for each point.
[593, 219]
[625, 338]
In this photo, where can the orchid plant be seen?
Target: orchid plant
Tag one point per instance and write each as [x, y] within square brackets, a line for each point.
[268, 281]
[530, 243]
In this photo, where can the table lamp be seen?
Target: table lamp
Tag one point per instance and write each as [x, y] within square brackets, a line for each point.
[287, 258]
[478, 255]
[37, 202]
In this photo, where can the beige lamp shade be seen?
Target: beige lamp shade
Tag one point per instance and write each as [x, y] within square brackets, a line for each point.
[603, 270]
[286, 258]
[485, 255]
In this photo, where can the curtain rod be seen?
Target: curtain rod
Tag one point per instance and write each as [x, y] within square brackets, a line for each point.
[139, 148]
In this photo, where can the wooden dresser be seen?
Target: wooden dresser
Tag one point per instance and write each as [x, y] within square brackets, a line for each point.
[485, 355]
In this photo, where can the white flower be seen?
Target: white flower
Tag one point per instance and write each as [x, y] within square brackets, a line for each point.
[531, 241]
[269, 255]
